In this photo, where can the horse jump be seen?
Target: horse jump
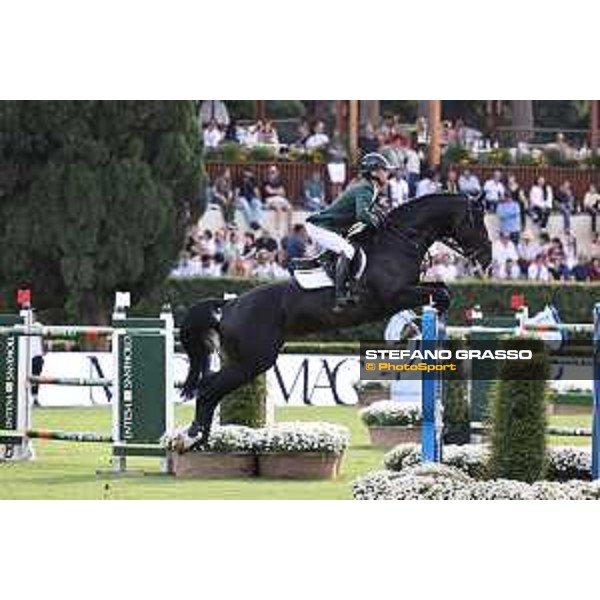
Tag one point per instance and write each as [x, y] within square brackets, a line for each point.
[434, 328]
[142, 387]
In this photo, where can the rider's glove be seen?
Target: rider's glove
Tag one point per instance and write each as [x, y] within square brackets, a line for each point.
[357, 228]
[377, 216]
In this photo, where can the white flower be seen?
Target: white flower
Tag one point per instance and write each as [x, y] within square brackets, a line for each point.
[390, 412]
[303, 436]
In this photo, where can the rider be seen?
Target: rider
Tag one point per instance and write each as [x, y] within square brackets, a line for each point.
[357, 207]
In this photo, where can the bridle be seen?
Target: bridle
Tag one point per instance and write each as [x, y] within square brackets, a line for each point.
[450, 240]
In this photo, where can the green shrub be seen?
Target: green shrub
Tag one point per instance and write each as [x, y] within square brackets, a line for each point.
[261, 154]
[518, 415]
[247, 405]
[457, 426]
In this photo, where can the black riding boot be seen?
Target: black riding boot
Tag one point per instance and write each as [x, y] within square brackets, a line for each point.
[342, 293]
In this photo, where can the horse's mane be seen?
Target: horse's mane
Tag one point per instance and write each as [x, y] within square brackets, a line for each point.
[443, 201]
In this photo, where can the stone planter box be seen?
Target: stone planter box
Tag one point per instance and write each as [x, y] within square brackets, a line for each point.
[388, 436]
[569, 409]
[214, 464]
[367, 397]
[299, 465]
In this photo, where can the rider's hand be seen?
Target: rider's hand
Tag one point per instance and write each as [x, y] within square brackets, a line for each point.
[377, 216]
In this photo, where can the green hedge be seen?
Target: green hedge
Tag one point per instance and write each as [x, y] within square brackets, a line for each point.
[518, 415]
[574, 300]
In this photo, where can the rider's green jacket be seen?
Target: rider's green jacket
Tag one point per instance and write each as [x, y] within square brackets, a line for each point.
[352, 205]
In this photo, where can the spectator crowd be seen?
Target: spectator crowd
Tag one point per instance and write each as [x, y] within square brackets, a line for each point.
[523, 248]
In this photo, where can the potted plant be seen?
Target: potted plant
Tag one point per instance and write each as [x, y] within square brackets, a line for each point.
[229, 453]
[371, 391]
[391, 422]
[301, 450]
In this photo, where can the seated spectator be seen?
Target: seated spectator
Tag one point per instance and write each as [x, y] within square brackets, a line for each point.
[509, 270]
[336, 165]
[223, 196]
[515, 191]
[313, 192]
[398, 191]
[206, 244]
[303, 135]
[494, 191]
[468, 183]
[208, 267]
[413, 170]
[295, 245]
[503, 249]
[240, 267]
[538, 270]
[509, 218]
[556, 252]
[267, 268]
[367, 142]
[527, 250]
[540, 202]
[185, 266]
[275, 198]
[443, 268]
[232, 249]
[594, 269]
[249, 245]
[565, 202]
[212, 135]
[266, 242]
[429, 184]
[267, 135]
[247, 199]
[219, 241]
[451, 183]
[318, 139]
[233, 132]
[581, 271]
[570, 248]
[591, 204]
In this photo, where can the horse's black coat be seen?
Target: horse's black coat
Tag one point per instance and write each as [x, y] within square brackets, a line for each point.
[253, 327]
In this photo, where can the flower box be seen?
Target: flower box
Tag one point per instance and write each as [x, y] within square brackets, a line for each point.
[214, 464]
[391, 423]
[388, 436]
[299, 465]
[301, 450]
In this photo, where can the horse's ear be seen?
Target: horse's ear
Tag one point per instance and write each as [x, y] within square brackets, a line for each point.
[478, 200]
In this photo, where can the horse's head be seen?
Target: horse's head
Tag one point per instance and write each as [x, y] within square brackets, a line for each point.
[470, 233]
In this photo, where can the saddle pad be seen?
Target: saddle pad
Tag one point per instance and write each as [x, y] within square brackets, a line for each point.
[313, 279]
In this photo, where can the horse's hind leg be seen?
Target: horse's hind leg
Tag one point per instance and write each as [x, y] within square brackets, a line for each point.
[217, 386]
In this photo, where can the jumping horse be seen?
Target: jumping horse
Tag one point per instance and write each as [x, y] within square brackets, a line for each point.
[252, 328]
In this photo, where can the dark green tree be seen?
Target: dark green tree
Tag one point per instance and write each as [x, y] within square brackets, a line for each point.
[95, 197]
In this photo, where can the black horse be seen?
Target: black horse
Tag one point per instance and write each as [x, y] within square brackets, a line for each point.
[252, 329]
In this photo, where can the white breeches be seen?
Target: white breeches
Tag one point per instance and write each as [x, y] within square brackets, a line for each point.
[330, 240]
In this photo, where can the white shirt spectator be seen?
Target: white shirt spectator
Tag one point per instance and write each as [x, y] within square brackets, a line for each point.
[212, 137]
[269, 270]
[538, 272]
[528, 250]
[469, 184]
[494, 190]
[413, 162]
[317, 140]
[426, 186]
[398, 191]
[536, 197]
[503, 250]
[511, 271]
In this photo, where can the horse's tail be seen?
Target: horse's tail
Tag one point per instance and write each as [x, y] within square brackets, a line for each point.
[199, 337]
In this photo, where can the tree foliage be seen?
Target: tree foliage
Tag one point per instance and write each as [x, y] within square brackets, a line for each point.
[94, 197]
